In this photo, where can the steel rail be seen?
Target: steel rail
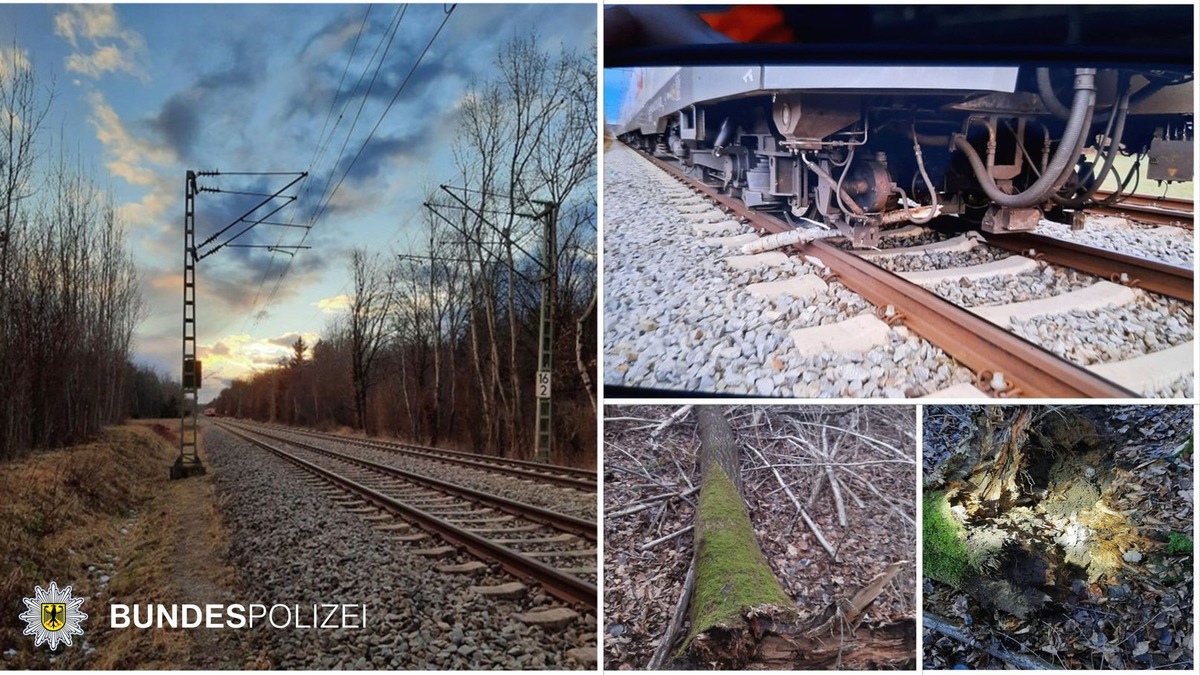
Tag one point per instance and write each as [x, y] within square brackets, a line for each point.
[1154, 210]
[1151, 275]
[559, 521]
[972, 340]
[561, 585]
[533, 470]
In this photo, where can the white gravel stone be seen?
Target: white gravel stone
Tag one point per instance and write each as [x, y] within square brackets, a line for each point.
[666, 293]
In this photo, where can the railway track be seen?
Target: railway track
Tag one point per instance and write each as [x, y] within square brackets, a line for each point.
[563, 476]
[980, 337]
[1168, 211]
[553, 550]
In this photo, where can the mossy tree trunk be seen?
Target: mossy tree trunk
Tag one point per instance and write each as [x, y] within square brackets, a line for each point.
[741, 616]
[733, 579]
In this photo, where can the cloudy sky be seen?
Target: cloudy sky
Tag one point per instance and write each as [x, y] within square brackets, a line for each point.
[145, 92]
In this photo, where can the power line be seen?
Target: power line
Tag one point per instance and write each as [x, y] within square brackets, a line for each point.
[322, 145]
[386, 110]
[371, 135]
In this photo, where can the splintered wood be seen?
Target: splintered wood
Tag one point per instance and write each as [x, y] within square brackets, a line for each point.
[1003, 439]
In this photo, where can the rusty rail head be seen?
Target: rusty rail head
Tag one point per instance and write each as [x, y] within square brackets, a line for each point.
[561, 585]
[1151, 275]
[972, 340]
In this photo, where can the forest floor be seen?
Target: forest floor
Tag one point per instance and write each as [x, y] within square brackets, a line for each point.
[650, 489]
[1085, 562]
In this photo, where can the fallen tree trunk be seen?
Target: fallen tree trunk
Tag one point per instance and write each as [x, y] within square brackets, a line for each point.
[741, 616]
[733, 579]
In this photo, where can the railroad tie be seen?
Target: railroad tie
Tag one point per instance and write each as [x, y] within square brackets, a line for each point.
[857, 334]
[803, 287]
[755, 261]
[435, 552]
[394, 527]
[509, 591]
[562, 554]
[418, 536]
[556, 539]
[555, 618]
[577, 571]
[465, 568]
[707, 229]
[494, 530]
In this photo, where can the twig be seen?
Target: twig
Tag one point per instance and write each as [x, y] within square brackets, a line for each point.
[647, 546]
[668, 638]
[1018, 661]
[837, 495]
[644, 504]
[672, 419]
[803, 514]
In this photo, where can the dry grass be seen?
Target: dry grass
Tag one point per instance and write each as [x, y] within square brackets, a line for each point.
[64, 510]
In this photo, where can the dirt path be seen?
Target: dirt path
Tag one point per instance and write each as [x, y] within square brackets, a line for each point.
[199, 571]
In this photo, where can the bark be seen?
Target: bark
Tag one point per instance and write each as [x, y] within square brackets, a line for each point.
[733, 580]
[741, 616]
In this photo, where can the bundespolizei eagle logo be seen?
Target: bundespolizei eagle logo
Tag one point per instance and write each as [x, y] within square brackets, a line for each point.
[52, 616]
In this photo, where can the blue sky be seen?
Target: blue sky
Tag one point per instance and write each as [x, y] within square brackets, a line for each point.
[616, 84]
[145, 92]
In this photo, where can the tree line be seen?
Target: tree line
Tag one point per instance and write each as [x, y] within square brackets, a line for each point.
[440, 343]
[70, 297]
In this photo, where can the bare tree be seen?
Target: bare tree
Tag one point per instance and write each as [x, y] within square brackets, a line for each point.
[370, 306]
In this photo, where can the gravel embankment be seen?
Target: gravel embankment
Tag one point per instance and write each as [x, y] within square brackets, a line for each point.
[676, 316]
[292, 545]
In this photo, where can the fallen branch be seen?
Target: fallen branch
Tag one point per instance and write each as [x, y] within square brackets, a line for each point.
[647, 546]
[644, 504]
[837, 495]
[867, 594]
[800, 509]
[672, 419]
[669, 637]
[1018, 661]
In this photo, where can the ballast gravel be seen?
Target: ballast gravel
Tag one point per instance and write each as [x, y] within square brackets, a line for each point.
[293, 545]
[1032, 285]
[1150, 324]
[1171, 245]
[677, 318]
[917, 262]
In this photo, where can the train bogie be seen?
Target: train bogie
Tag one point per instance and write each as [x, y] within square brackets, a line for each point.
[858, 148]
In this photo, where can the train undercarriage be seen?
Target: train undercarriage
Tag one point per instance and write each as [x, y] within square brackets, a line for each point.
[1001, 148]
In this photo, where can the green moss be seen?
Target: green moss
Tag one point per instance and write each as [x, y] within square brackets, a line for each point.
[1178, 543]
[731, 573]
[945, 553]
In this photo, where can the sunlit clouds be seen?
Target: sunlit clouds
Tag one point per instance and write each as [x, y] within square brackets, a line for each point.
[102, 45]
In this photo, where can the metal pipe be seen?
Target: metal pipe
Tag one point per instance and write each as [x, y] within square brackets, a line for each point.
[991, 146]
[1114, 149]
[1056, 108]
[1068, 150]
